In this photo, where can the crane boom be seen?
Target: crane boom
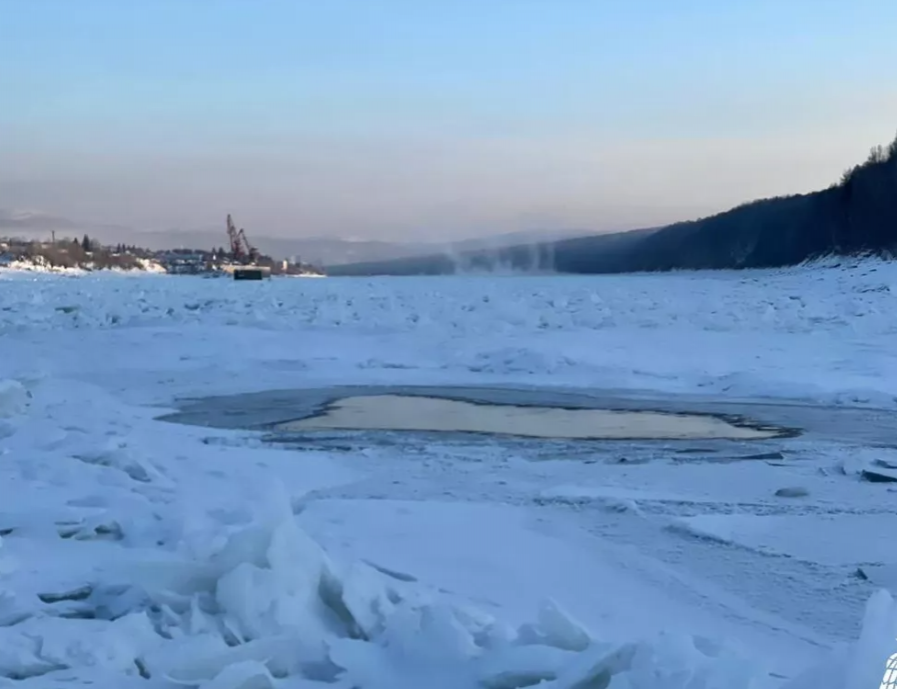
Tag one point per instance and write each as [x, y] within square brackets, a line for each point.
[240, 248]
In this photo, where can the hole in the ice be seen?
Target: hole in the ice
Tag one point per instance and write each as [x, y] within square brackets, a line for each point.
[415, 413]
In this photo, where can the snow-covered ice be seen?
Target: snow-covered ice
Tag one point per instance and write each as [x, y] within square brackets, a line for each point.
[139, 553]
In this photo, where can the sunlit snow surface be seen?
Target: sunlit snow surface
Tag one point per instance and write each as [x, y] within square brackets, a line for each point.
[142, 554]
[415, 413]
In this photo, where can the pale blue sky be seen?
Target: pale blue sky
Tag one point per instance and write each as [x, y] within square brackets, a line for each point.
[432, 117]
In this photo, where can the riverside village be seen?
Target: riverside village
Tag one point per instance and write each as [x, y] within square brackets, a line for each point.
[238, 259]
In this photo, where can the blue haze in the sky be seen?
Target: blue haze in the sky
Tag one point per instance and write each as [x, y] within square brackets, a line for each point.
[402, 118]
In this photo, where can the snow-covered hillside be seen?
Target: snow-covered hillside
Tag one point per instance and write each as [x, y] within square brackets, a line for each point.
[137, 553]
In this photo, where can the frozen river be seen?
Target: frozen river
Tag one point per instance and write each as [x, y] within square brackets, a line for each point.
[314, 511]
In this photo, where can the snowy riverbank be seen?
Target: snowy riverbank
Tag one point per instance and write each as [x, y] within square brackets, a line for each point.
[42, 266]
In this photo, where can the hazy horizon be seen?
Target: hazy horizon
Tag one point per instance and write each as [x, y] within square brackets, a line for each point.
[409, 121]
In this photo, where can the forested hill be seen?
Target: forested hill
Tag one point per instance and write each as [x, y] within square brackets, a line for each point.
[856, 215]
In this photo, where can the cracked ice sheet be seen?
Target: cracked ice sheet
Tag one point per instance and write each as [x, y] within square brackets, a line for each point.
[758, 333]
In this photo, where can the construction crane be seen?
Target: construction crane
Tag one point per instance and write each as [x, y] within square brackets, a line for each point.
[240, 249]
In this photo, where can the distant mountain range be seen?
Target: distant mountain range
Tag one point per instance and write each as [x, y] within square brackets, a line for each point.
[38, 225]
[335, 251]
[330, 251]
[315, 250]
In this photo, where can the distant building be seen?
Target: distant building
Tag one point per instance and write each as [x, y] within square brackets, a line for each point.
[183, 261]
